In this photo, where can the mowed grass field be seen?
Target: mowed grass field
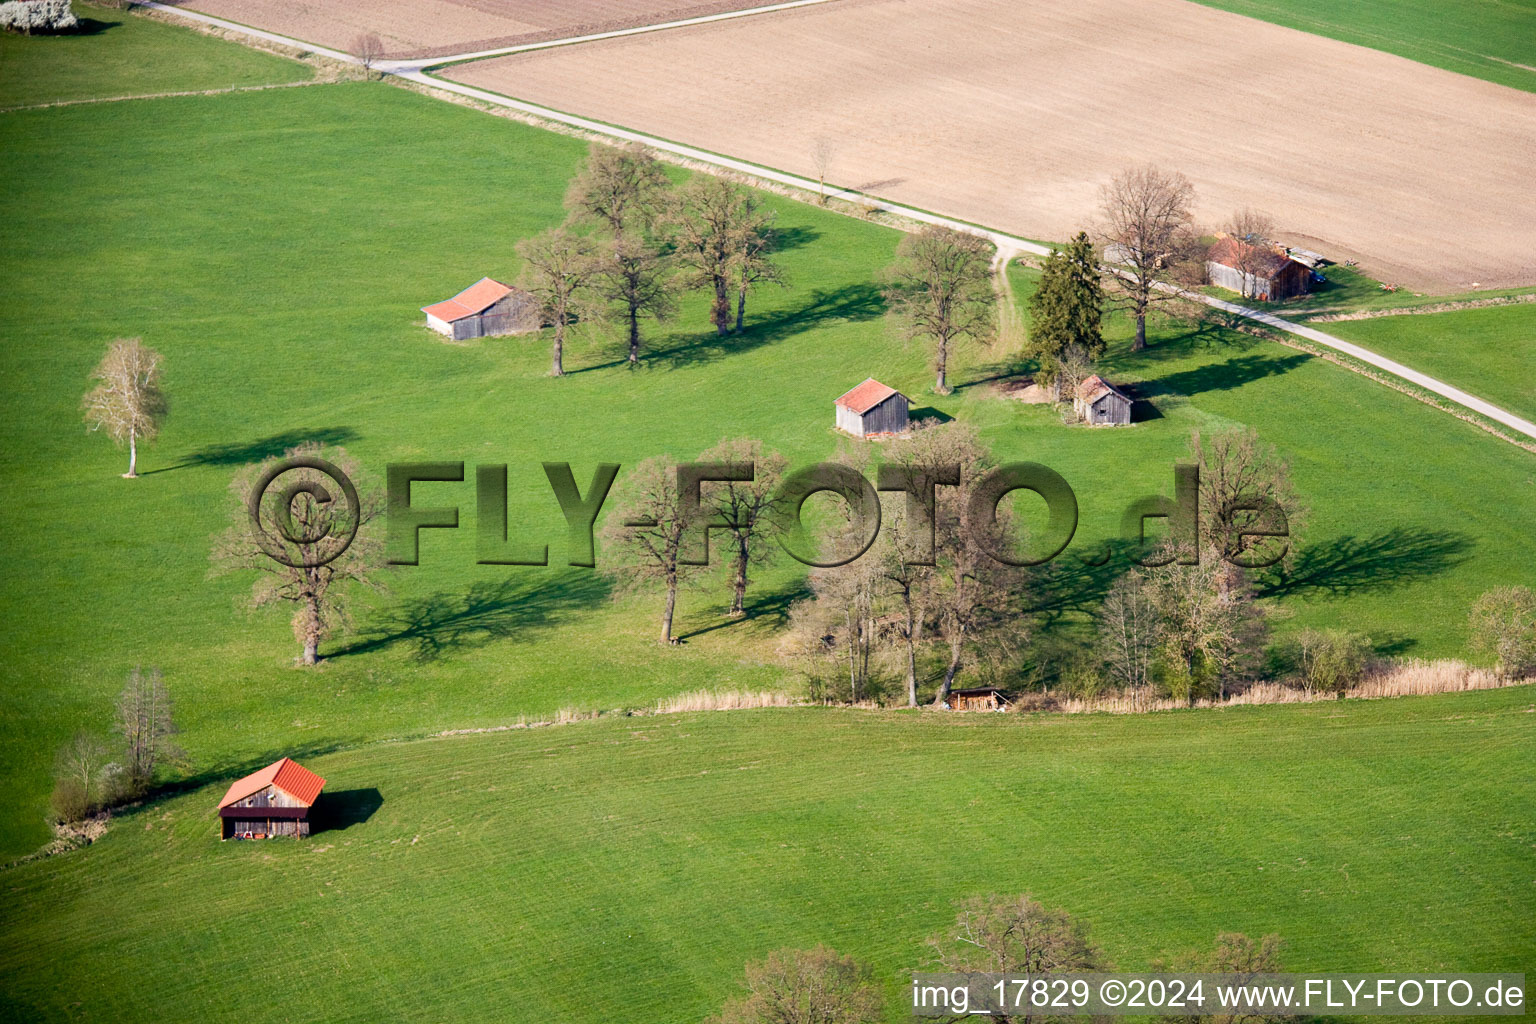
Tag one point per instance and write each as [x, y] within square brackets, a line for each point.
[284, 294]
[1489, 352]
[1489, 39]
[626, 869]
[119, 54]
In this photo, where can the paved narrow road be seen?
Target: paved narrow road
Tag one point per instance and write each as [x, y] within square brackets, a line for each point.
[415, 71]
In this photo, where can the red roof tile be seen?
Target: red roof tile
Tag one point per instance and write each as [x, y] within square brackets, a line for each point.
[866, 396]
[287, 775]
[474, 299]
[1261, 259]
[1095, 387]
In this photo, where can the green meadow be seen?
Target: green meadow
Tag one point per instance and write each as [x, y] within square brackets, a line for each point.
[284, 295]
[1489, 352]
[276, 246]
[116, 53]
[626, 869]
[1489, 39]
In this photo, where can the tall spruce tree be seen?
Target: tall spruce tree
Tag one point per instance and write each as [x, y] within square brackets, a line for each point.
[1067, 309]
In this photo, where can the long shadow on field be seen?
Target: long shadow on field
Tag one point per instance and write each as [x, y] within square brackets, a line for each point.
[339, 811]
[773, 605]
[488, 611]
[247, 452]
[853, 303]
[92, 27]
[794, 238]
[1350, 564]
[1223, 376]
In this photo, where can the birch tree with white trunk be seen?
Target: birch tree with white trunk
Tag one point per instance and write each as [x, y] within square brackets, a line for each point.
[127, 403]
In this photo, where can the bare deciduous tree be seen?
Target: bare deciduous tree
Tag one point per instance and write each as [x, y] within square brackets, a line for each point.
[1234, 953]
[635, 279]
[1128, 633]
[1251, 247]
[941, 289]
[1332, 660]
[756, 243]
[367, 47]
[646, 531]
[145, 721]
[127, 401]
[747, 507]
[560, 269]
[1243, 483]
[840, 621]
[80, 777]
[823, 149]
[320, 594]
[705, 220]
[1016, 935]
[1146, 237]
[621, 189]
[811, 986]
[1209, 627]
[1503, 625]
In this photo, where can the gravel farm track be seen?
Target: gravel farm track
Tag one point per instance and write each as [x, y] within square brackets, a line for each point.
[1012, 113]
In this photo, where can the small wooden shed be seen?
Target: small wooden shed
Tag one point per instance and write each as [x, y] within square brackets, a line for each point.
[872, 408]
[1101, 404]
[980, 698]
[1257, 269]
[485, 309]
[275, 801]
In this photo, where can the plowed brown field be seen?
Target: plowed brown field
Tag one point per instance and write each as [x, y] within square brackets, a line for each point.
[437, 28]
[1012, 113]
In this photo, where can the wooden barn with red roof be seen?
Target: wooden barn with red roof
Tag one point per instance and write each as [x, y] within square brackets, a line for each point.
[485, 309]
[872, 408]
[272, 802]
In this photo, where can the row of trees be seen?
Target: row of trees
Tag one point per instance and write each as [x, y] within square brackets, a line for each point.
[633, 242]
[91, 773]
[1014, 935]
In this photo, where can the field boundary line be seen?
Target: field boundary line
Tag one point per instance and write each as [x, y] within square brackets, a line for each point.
[163, 95]
[412, 71]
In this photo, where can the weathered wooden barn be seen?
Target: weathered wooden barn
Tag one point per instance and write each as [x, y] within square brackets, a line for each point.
[979, 698]
[275, 801]
[485, 309]
[1256, 269]
[1099, 403]
[872, 408]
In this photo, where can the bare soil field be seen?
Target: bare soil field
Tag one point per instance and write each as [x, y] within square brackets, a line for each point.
[438, 28]
[1013, 113]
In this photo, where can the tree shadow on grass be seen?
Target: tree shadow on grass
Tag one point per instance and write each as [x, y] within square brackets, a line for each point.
[92, 27]
[1349, 564]
[772, 606]
[853, 303]
[248, 452]
[1227, 375]
[488, 611]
